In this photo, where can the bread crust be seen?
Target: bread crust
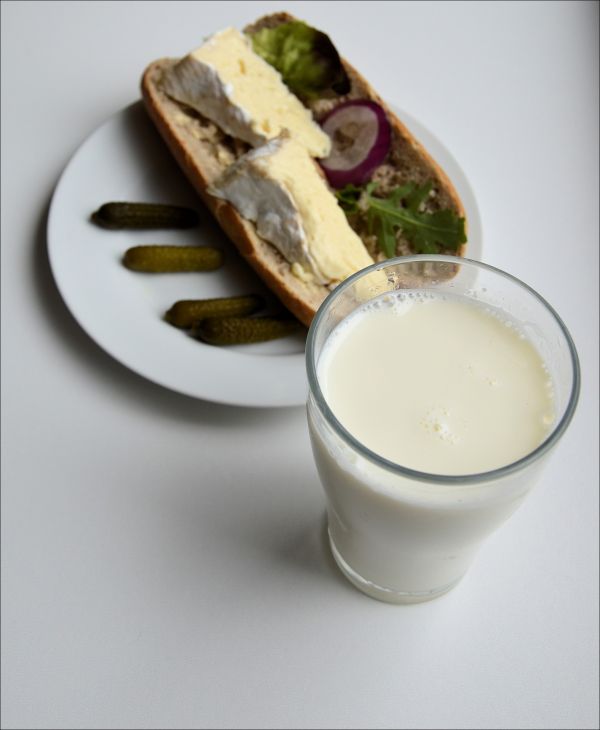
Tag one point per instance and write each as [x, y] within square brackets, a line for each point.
[203, 152]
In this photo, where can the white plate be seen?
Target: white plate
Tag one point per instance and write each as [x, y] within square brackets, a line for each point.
[125, 159]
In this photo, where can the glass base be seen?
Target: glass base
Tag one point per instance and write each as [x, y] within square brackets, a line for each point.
[382, 593]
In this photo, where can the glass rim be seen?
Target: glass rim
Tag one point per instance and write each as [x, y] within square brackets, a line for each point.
[415, 474]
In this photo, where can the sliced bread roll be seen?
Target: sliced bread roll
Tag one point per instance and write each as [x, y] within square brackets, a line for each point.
[204, 152]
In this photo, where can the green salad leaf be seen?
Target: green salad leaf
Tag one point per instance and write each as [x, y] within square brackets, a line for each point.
[348, 198]
[304, 56]
[401, 209]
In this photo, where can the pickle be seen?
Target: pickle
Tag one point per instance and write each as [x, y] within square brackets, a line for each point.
[187, 312]
[144, 215]
[165, 259]
[244, 330]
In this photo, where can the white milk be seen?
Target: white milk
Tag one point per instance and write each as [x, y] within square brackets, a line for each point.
[441, 386]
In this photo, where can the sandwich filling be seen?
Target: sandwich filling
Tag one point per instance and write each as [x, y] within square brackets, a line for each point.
[226, 81]
[279, 187]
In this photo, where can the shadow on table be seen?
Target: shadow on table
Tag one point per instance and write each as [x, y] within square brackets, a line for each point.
[309, 550]
[105, 368]
[259, 521]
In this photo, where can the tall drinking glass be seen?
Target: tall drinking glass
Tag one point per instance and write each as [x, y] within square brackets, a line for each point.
[403, 535]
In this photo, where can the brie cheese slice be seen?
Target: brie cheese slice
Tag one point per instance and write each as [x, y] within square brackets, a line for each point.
[279, 187]
[245, 96]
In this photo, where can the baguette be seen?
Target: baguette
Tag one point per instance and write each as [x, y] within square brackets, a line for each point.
[204, 152]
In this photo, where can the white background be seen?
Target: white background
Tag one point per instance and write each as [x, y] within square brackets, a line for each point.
[163, 558]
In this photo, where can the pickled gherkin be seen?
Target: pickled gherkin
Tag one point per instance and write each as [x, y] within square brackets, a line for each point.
[166, 259]
[244, 330]
[188, 312]
[144, 215]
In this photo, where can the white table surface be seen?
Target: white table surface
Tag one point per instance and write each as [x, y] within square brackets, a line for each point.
[163, 561]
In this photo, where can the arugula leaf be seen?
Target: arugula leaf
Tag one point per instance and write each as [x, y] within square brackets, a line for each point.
[415, 196]
[304, 56]
[386, 238]
[348, 198]
[427, 232]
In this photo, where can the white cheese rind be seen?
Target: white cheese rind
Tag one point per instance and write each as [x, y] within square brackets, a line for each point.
[259, 197]
[245, 96]
[198, 84]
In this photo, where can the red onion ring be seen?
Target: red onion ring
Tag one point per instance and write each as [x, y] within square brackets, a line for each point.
[360, 141]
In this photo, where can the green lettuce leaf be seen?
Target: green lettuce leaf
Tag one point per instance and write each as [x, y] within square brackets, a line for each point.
[305, 57]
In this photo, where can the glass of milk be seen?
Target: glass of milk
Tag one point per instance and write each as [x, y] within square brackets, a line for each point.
[439, 387]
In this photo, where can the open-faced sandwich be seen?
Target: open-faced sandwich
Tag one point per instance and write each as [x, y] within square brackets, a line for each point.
[304, 166]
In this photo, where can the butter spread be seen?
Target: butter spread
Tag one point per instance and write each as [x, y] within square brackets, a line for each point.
[227, 82]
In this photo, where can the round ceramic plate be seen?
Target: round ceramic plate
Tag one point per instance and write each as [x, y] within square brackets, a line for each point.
[125, 159]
